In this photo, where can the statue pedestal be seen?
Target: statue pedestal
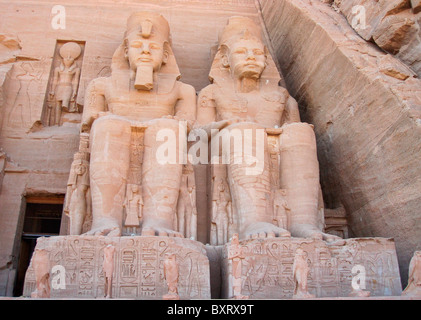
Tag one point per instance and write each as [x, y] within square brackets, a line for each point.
[267, 267]
[138, 267]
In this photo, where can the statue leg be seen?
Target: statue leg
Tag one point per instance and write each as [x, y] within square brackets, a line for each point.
[249, 181]
[187, 217]
[110, 158]
[161, 177]
[58, 113]
[300, 176]
[77, 211]
[181, 212]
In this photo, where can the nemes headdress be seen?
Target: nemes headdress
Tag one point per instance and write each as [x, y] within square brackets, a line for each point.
[240, 28]
[148, 24]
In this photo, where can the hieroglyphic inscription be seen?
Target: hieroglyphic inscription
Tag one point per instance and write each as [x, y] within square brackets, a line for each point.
[268, 272]
[138, 270]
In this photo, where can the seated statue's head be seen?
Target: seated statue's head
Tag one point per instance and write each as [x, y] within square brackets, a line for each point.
[147, 40]
[145, 52]
[145, 57]
[242, 49]
[243, 54]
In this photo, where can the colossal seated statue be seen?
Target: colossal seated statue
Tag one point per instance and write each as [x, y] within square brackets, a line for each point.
[123, 115]
[245, 95]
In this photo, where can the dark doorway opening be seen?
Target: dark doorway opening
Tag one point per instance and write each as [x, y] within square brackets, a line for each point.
[42, 219]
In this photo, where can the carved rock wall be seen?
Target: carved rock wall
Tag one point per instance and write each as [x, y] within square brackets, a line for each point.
[366, 108]
[394, 25]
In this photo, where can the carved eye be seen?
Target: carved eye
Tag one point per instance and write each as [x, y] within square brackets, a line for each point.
[154, 46]
[241, 51]
[258, 52]
[136, 44]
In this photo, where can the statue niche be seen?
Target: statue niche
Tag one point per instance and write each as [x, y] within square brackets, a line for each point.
[281, 198]
[64, 84]
[123, 115]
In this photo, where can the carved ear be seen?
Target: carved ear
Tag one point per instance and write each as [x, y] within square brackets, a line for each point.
[167, 50]
[266, 54]
[224, 51]
[126, 48]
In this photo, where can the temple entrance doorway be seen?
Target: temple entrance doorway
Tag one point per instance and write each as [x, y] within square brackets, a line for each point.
[42, 218]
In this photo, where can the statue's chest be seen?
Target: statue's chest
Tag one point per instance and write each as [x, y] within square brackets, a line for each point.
[142, 106]
[251, 107]
[139, 99]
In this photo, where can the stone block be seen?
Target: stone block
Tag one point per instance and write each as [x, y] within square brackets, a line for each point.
[267, 267]
[138, 267]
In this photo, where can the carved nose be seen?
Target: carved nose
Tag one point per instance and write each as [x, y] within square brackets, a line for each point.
[250, 55]
[145, 49]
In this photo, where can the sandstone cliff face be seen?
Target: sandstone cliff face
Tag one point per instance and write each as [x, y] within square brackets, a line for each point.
[365, 106]
[394, 25]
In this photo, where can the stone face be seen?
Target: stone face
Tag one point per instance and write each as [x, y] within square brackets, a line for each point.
[268, 267]
[138, 267]
[367, 120]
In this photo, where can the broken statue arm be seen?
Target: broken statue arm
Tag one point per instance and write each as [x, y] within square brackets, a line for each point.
[94, 103]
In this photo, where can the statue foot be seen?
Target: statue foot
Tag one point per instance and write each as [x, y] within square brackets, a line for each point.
[161, 232]
[105, 231]
[311, 232]
[264, 230]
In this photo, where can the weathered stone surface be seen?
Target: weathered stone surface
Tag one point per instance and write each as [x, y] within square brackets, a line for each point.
[391, 24]
[414, 277]
[138, 267]
[416, 5]
[367, 122]
[267, 267]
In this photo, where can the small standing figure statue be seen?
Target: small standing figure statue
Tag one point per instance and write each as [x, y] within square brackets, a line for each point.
[41, 265]
[414, 280]
[77, 202]
[108, 268]
[134, 207]
[236, 255]
[300, 273]
[280, 209]
[222, 216]
[186, 206]
[171, 276]
[66, 81]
